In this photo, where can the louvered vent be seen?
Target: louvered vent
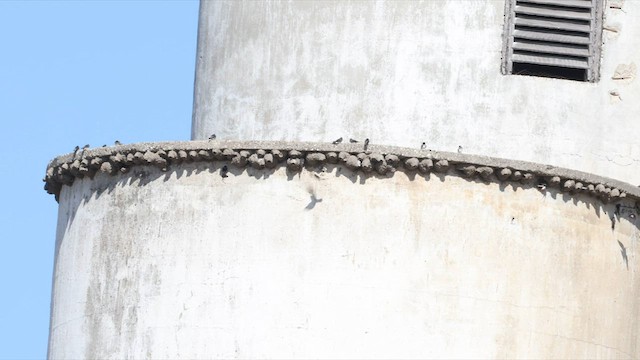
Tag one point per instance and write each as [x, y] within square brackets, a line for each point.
[553, 38]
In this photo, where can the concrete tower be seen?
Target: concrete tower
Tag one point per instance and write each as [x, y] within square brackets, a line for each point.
[468, 212]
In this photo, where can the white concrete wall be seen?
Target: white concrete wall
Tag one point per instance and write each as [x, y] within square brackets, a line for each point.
[189, 265]
[404, 72]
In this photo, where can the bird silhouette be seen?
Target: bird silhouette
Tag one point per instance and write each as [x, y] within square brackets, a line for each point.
[353, 140]
[212, 137]
[75, 149]
[312, 203]
[117, 143]
[313, 199]
[85, 147]
[337, 141]
[223, 171]
[623, 251]
[459, 149]
[366, 143]
[423, 146]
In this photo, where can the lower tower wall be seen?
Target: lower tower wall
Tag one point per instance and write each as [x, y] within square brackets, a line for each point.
[206, 255]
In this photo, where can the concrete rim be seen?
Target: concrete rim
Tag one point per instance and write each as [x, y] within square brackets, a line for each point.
[371, 159]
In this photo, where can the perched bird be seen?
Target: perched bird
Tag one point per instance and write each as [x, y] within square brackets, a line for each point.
[423, 146]
[366, 143]
[75, 149]
[337, 141]
[459, 149]
[104, 145]
[613, 222]
[212, 137]
[82, 150]
[223, 171]
[322, 174]
[117, 142]
[353, 140]
[542, 186]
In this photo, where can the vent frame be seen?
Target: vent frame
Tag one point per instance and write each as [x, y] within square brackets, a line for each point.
[533, 35]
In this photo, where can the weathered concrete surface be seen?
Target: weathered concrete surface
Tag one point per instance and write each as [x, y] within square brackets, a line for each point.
[188, 250]
[269, 264]
[406, 72]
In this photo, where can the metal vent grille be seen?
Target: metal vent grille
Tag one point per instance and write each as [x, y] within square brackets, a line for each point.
[553, 38]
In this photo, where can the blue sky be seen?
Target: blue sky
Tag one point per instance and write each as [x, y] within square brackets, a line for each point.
[72, 73]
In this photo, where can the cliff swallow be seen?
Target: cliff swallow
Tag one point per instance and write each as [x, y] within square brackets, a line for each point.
[542, 186]
[623, 251]
[313, 199]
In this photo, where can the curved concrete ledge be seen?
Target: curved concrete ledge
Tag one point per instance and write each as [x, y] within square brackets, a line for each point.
[380, 160]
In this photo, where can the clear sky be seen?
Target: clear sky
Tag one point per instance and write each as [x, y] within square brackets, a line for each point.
[72, 73]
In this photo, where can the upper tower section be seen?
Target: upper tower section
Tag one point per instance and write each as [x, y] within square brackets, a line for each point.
[447, 73]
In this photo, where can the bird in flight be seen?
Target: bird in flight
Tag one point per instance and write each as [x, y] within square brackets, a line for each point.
[313, 199]
[623, 251]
